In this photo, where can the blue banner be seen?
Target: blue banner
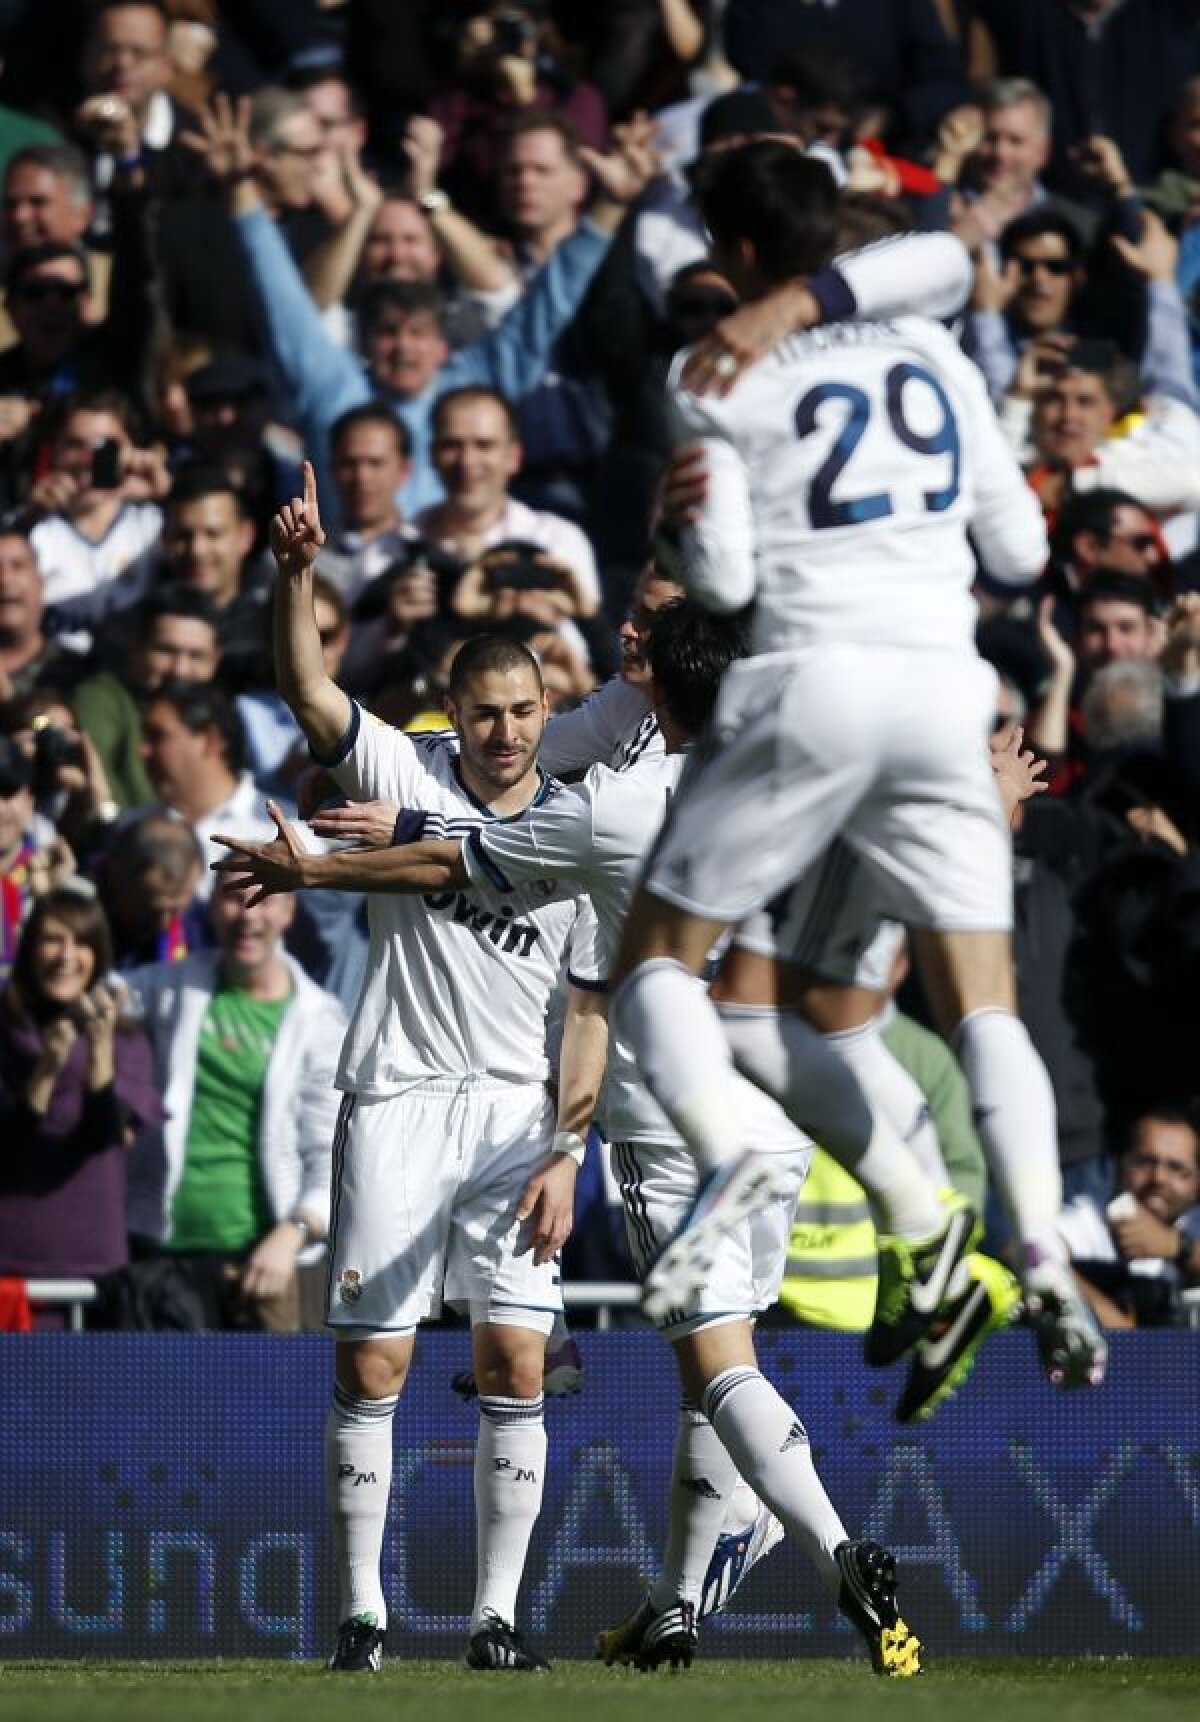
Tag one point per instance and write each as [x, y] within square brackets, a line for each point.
[161, 1496]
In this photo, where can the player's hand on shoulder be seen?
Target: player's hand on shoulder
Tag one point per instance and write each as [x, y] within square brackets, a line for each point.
[747, 335]
[370, 824]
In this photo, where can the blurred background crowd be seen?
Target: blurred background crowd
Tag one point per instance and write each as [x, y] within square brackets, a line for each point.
[448, 248]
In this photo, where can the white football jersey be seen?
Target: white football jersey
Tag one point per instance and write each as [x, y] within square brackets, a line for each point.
[614, 726]
[458, 983]
[845, 472]
[594, 836]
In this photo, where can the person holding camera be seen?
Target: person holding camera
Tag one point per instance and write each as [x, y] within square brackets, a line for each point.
[504, 544]
[508, 64]
[1137, 1253]
[1030, 306]
[34, 857]
[99, 513]
[76, 1086]
[1083, 421]
[70, 788]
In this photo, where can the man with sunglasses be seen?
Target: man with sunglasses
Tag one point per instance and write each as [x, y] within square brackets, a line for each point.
[61, 345]
[1106, 529]
[46, 291]
[1027, 307]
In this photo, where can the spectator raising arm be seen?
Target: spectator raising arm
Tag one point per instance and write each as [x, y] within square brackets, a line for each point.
[330, 269]
[323, 380]
[471, 257]
[1050, 731]
[1166, 357]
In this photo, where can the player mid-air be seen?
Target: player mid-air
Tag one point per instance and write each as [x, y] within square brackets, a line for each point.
[848, 474]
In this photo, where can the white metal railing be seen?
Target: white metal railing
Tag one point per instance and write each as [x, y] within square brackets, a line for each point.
[601, 1295]
[73, 1293]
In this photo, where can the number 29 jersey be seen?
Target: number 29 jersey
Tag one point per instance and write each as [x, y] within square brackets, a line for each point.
[845, 473]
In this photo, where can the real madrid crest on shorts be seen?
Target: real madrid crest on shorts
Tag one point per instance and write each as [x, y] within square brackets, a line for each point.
[350, 1285]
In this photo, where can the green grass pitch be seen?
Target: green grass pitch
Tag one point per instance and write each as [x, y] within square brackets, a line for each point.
[1003, 1690]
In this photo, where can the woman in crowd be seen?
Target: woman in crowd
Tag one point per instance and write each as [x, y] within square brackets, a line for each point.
[76, 1085]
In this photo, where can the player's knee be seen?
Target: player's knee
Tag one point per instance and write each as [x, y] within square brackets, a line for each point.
[370, 1372]
[512, 1374]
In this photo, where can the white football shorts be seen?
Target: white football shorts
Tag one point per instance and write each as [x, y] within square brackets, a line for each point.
[658, 1186]
[425, 1189]
[828, 923]
[885, 747]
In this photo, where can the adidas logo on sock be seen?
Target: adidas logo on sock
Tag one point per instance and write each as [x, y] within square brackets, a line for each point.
[797, 1436]
[700, 1486]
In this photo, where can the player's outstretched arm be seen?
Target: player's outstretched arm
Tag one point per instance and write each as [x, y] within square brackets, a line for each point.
[265, 869]
[320, 707]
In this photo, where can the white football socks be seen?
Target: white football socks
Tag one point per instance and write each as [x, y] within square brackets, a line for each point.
[703, 1478]
[769, 1445]
[358, 1481]
[784, 1055]
[807, 1074]
[1017, 1122]
[510, 1474]
[667, 1018]
[892, 1094]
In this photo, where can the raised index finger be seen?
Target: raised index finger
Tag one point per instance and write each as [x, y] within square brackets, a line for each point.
[310, 494]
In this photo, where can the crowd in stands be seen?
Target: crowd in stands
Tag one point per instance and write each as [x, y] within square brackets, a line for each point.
[447, 249]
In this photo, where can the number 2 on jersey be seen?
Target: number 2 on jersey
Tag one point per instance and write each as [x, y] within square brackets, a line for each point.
[826, 510]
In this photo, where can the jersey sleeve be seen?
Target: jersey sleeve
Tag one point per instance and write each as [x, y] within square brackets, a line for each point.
[589, 735]
[718, 550]
[926, 273]
[585, 965]
[1007, 525]
[551, 841]
[374, 762]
